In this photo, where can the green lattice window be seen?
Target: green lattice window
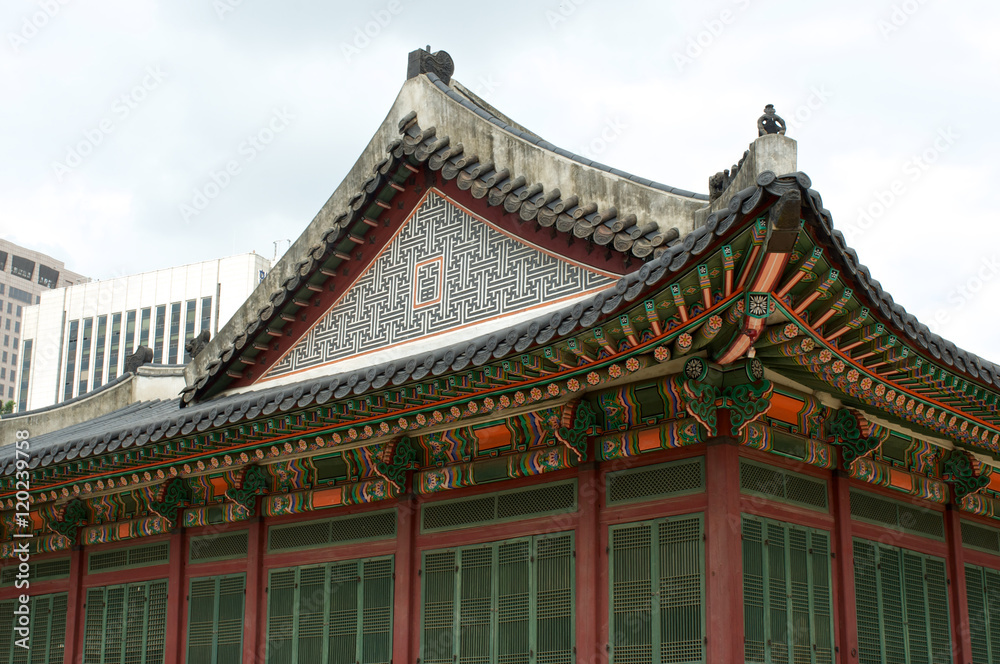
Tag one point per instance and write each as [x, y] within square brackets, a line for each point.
[982, 586]
[500, 603]
[337, 613]
[215, 620]
[787, 605]
[902, 606]
[47, 638]
[125, 624]
[657, 575]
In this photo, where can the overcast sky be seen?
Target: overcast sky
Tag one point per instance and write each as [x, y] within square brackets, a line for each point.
[115, 113]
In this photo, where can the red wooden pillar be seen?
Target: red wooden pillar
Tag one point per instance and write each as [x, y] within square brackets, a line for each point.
[75, 598]
[406, 622]
[723, 552]
[255, 610]
[590, 571]
[843, 549]
[957, 597]
[176, 595]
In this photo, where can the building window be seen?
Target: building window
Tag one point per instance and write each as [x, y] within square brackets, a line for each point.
[102, 328]
[531, 578]
[144, 328]
[3, 265]
[74, 327]
[206, 314]
[161, 321]
[3, 373]
[7, 324]
[982, 586]
[22, 401]
[126, 623]
[10, 391]
[128, 348]
[4, 356]
[189, 315]
[88, 330]
[787, 607]
[22, 267]
[215, 619]
[47, 276]
[175, 332]
[19, 295]
[17, 327]
[337, 612]
[116, 325]
[902, 605]
[17, 311]
[6, 341]
[47, 636]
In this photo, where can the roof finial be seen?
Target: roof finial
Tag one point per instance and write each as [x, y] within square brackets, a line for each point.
[423, 61]
[770, 122]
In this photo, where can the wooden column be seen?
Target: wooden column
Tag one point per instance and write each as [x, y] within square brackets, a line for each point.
[957, 596]
[723, 552]
[176, 595]
[74, 606]
[843, 571]
[589, 567]
[255, 609]
[405, 618]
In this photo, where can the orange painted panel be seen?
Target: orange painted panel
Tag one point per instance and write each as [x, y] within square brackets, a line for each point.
[995, 481]
[37, 521]
[219, 486]
[493, 437]
[328, 497]
[649, 439]
[784, 408]
[900, 480]
[124, 531]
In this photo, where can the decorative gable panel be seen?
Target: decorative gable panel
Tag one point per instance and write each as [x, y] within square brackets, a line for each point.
[444, 270]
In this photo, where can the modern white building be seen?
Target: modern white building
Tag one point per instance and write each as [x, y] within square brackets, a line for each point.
[76, 339]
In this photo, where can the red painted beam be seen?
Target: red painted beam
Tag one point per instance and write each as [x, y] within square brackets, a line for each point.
[589, 564]
[723, 554]
[255, 610]
[958, 600]
[176, 599]
[844, 608]
[406, 617]
[74, 608]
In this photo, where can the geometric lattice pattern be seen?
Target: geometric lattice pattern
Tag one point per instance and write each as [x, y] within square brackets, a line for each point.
[444, 270]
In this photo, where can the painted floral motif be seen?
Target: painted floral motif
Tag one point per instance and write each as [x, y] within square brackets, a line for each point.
[573, 385]
[454, 410]
[473, 407]
[438, 417]
[838, 367]
[504, 401]
[519, 398]
[632, 364]
[488, 403]
[593, 378]
[421, 419]
[553, 389]
[661, 353]
[615, 371]
[535, 394]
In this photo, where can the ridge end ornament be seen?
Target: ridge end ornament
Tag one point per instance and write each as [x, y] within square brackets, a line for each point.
[770, 122]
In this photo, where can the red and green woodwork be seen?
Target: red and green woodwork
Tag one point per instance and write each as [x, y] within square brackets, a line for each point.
[757, 350]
